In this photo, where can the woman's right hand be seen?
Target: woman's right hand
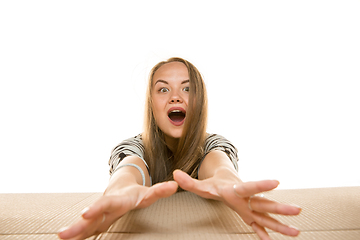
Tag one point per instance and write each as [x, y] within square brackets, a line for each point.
[104, 212]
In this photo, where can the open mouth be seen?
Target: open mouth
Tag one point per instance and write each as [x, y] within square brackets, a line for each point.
[177, 116]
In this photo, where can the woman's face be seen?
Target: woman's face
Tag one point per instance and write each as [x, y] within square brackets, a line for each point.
[170, 98]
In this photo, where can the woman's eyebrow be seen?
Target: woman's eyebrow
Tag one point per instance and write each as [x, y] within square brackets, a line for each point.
[186, 81]
[163, 81]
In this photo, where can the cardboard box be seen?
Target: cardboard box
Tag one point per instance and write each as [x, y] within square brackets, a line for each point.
[328, 213]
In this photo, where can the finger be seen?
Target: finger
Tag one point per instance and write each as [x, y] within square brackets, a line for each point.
[85, 228]
[106, 204]
[74, 230]
[248, 189]
[95, 227]
[156, 192]
[263, 205]
[269, 222]
[184, 180]
[260, 231]
[165, 189]
[202, 188]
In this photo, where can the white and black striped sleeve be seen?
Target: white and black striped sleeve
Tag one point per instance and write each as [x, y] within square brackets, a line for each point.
[129, 147]
[218, 142]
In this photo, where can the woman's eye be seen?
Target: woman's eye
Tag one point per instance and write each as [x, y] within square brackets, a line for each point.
[186, 89]
[163, 90]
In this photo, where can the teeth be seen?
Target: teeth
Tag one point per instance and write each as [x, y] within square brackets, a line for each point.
[175, 111]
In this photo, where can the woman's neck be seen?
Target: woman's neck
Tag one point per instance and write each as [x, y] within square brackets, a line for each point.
[171, 143]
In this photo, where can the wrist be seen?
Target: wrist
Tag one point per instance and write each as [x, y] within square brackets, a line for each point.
[224, 172]
[214, 161]
[120, 181]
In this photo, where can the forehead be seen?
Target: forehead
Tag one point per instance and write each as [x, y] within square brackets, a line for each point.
[174, 71]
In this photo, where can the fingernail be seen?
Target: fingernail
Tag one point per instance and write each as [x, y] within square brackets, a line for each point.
[85, 210]
[253, 225]
[294, 205]
[294, 227]
[63, 229]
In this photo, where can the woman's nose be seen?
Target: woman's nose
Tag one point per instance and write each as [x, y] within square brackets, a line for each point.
[175, 98]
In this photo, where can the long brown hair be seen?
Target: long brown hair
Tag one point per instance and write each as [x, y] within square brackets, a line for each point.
[162, 162]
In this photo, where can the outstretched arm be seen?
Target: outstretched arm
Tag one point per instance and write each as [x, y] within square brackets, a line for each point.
[219, 180]
[124, 193]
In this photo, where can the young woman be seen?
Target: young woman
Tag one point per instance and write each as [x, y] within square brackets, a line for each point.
[175, 151]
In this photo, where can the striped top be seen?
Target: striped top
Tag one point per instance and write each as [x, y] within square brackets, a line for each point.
[134, 147]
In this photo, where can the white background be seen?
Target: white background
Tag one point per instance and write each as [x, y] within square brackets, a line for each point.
[282, 78]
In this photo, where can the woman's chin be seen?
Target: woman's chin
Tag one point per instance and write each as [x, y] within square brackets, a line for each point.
[176, 134]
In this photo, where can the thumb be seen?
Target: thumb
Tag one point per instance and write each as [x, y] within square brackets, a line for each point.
[156, 192]
[184, 180]
[203, 188]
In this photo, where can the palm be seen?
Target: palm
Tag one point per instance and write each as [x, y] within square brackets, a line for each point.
[104, 212]
[228, 188]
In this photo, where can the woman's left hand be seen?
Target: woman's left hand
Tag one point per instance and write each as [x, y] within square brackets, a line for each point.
[226, 186]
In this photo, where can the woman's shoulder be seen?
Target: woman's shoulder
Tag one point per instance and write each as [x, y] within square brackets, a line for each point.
[213, 136]
[131, 143]
[137, 138]
[216, 140]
